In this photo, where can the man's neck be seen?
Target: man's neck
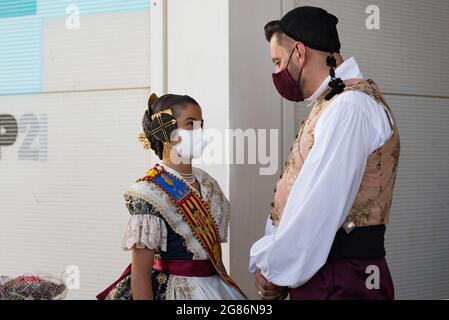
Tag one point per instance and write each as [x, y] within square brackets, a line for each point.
[318, 76]
[312, 84]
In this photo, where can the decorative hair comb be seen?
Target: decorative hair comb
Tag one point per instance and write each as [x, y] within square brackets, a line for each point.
[162, 124]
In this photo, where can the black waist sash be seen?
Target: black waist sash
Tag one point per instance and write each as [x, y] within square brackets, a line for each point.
[360, 243]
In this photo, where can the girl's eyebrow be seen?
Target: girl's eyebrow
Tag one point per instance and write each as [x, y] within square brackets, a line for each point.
[194, 119]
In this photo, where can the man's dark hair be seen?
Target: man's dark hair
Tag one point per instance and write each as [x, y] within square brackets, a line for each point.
[271, 28]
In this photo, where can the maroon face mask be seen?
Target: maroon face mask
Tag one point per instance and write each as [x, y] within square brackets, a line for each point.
[286, 85]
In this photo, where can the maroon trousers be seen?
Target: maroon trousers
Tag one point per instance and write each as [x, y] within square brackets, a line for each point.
[367, 279]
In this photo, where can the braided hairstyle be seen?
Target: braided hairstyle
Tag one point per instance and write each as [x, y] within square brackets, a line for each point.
[169, 101]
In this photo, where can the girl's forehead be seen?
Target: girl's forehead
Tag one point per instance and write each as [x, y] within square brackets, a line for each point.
[190, 110]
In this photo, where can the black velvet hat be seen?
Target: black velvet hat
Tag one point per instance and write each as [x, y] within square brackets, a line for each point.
[313, 26]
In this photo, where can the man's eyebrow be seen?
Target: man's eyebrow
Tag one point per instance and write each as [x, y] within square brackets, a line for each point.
[194, 119]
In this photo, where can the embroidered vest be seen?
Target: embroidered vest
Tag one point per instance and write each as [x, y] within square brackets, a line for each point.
[373, 201]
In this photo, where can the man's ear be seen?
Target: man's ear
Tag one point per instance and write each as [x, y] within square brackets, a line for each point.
[300, 54]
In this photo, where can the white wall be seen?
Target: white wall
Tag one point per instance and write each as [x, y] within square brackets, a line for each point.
[69, 209]
[109, 51]
[63, 204]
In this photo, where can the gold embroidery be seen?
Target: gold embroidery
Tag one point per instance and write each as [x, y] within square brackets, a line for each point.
[179, 288]
[161, 278]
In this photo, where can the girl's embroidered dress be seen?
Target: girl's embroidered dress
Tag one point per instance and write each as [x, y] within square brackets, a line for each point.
[182, 268]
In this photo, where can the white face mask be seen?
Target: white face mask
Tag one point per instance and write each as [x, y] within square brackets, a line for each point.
[192, 144]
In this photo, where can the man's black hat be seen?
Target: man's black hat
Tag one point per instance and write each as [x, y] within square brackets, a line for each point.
[314, 27]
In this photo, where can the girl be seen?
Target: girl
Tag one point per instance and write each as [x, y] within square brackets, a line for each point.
[179, 215]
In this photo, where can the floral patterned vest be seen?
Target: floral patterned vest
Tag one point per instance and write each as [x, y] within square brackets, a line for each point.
[373, 201]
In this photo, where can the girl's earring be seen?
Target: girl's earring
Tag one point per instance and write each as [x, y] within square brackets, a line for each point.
[166, 153]
[146, 143]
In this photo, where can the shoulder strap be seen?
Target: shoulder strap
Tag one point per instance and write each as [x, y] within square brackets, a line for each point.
[196, 213]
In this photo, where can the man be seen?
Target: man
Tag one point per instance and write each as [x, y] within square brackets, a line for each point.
[324, 238]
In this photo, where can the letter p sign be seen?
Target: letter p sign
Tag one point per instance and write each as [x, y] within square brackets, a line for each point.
[8, 131]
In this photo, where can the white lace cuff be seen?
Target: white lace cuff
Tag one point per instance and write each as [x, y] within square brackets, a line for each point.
[145, 231]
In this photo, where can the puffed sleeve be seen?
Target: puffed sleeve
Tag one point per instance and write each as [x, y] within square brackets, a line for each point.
[146, 228]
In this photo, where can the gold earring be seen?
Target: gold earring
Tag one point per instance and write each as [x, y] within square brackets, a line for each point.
[145, 141]
[166, 152]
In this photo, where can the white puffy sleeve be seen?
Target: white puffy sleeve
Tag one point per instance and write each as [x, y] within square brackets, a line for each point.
[270, 230]
[146, 228]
